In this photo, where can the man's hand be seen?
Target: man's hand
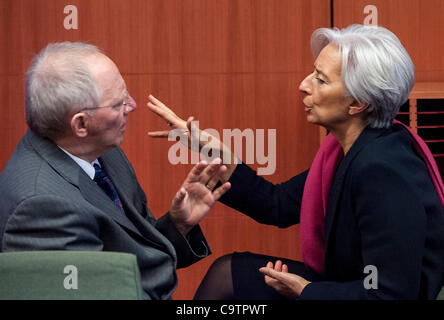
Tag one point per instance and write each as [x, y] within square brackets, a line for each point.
[287, 284]
[196, 196]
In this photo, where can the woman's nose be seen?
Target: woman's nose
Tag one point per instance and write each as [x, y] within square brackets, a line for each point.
[305, 86]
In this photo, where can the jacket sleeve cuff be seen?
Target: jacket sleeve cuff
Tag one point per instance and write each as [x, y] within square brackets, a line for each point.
[330, 290]
[189, 249]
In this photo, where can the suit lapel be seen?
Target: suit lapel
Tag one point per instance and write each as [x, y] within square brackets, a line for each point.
[125, 184]
[364, 139]
[70, 171]
[94, 195]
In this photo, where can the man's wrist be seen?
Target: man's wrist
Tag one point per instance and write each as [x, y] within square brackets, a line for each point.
[182, 227]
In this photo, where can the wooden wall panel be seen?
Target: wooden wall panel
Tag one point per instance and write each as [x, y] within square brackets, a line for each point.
[219, 36]
[283, 33]
[230, 98]
[142, 36]
[417, 23]
[230, 63]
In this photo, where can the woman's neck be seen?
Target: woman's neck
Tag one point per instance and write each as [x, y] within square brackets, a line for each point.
[348, 134]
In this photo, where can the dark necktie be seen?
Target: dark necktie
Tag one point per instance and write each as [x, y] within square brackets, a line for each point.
[104, 182]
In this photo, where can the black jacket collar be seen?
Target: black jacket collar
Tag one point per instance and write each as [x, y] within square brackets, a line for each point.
[366, 137]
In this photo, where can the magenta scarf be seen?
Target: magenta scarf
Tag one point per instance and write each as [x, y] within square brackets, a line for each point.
[317, 189]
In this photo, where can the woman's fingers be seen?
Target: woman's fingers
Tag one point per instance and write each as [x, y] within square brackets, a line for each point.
[193, 128]
[189, 123]
[161, 110]
[159, 134]
[157, 103]
[284, 268]
[166, 115]
[272, 273]
[158, 107]
[154, 99]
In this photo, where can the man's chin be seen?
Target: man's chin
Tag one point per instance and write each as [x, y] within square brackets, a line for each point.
[120, 140]
[117, 142]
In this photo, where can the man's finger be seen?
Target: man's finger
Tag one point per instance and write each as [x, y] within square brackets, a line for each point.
[217, 175]
[209, 172]
[196, 172]
[219, 192]
[179, 197]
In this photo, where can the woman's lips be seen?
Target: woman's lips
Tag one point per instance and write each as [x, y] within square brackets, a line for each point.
[308, 102]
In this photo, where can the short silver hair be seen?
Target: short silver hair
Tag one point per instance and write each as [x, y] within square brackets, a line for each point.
[58, 83]
[376, 68]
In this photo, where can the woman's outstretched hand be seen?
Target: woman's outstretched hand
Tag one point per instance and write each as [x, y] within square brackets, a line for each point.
[171, 119]
[191, 131]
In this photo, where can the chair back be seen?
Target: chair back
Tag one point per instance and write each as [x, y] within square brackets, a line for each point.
[49, 275]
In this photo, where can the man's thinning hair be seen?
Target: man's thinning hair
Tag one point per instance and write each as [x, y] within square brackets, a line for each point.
[58, 83]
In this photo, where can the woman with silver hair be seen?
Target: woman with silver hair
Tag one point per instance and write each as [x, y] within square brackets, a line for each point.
[370, 207]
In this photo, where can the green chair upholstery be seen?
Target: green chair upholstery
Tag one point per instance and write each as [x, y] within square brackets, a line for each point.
[67, 275]
[440, 294]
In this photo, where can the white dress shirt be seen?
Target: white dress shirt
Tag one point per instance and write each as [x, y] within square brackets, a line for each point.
[85, 165]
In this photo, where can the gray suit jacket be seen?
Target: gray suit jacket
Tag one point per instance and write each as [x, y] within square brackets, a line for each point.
[48, 202]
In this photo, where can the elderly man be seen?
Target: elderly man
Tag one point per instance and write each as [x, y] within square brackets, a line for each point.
[68, 185]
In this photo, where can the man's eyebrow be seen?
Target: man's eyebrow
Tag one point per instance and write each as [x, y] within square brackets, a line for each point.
[121, 100]
[321, 73]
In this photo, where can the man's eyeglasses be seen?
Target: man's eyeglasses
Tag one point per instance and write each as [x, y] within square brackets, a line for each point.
[126, 102]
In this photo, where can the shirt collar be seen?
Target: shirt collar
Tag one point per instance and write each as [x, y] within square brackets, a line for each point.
[85, 165]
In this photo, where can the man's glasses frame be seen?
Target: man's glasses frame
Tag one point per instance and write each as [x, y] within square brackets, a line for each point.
[117, 107]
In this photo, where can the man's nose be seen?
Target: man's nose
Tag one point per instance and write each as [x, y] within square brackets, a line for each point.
[305, 86]
[131, 105]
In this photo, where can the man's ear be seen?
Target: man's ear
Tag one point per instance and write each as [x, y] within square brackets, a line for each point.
[79, 124]
[356, 108]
